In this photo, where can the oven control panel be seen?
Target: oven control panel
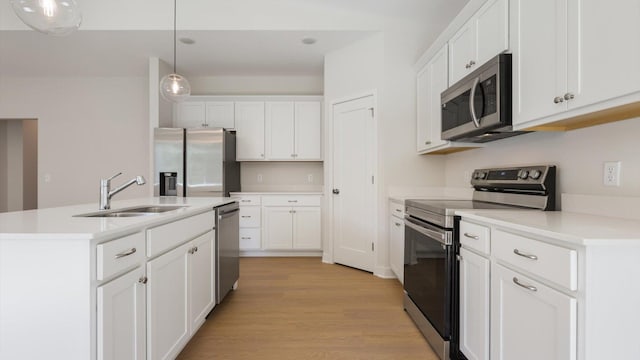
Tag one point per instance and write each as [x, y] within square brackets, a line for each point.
[513, 176]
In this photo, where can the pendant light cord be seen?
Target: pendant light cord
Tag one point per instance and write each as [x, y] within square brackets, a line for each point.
[175, 7]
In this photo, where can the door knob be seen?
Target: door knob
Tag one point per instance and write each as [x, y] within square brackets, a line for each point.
[336, 191]
[558, 100]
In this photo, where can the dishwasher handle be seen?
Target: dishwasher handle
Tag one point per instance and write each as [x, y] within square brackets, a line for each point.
[224, 214]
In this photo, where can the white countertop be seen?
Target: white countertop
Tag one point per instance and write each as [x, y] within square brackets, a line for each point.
[59, 223]
[576, 228]
[277, 193]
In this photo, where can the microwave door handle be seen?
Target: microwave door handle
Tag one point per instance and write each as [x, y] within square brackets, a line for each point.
[472, 98]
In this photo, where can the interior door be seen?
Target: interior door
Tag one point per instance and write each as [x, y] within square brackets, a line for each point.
[354, 205]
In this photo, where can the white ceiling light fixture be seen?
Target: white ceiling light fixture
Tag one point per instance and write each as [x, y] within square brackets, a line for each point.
[174, 87]
[53, 17]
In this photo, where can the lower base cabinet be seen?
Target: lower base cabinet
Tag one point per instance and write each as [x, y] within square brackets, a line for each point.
[530, 321]
[287, 228]
[180, 295]
[474, 305]
[121, 317]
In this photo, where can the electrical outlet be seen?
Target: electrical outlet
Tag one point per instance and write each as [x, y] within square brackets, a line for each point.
[310, 178]
[47, 178]
[612, 173]
[259, 178]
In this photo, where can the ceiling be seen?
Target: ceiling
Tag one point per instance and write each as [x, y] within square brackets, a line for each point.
[228, 41]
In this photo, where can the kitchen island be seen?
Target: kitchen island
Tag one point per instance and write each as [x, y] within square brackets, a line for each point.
[130, 287]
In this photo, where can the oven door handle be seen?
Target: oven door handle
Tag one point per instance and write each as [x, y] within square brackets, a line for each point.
[472, 100]
[441, 236]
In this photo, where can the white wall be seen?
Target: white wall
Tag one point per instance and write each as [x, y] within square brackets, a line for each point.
[384, 63]
[89, 128]
[281, 176]
[579, 155]
[256, 85]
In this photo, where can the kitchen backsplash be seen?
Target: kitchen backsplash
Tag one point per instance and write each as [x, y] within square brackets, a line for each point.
[282, 176]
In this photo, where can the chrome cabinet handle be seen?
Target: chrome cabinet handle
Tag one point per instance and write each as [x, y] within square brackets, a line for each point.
[195, 249]
[471, 236]
[245, 200]
[143, 280]
[472, 98]
[528, 287]
[245, 238]
[126, 253]
[245, 216]
[397, 224]
[568, 96]
[471, 63]
[427, 142]
[466, 66]
[528, 256]
[398, 210]
[292, 201]
[336, 191]
[558, 100]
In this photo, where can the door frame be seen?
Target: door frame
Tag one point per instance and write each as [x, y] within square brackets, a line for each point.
[327, 216]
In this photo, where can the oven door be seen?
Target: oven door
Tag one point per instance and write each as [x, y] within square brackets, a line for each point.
[428, 272]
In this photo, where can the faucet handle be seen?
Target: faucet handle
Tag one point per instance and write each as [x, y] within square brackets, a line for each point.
[111, 178]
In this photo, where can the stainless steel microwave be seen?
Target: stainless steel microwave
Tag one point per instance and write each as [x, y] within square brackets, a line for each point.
[478, 107]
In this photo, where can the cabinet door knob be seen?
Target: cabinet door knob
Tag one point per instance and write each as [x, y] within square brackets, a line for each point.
[471, 63]
[143, 280]
[568, 96]
[558, 100]
[427, 142]
[466, 66]
[336, 191]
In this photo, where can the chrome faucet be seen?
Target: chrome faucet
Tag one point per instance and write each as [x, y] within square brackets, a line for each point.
[106, 193]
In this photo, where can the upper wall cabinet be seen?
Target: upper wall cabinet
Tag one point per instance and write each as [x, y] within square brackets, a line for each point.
[431, 82]
[195, 114]
[293, 130]
[584, 59]
[481, 38]
[250, 130]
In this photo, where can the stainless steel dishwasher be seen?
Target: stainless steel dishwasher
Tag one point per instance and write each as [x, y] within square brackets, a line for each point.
[227, 249]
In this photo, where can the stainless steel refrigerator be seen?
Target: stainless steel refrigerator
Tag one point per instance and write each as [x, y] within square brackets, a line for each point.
[195, 162]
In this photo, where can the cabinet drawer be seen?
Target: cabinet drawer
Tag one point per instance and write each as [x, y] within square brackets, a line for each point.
[249, 216]
[551, 262]
[396, 209]
[293, 200]
[474, 236]
[249, 200]
[250, 239]
[118, 255]
[165, 237]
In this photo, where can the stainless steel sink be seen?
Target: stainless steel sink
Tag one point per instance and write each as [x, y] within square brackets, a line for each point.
[146, 210]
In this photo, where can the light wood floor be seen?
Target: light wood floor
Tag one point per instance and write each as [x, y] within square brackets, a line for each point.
[300, 308]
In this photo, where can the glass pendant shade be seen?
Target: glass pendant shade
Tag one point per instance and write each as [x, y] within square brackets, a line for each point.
[54, 17]
[174, 87]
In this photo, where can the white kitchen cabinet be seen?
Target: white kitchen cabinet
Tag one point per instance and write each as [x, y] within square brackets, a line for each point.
[291, 222]
[278, 227]
[250, 222]
[168, 303]
[396, 239]
[293, 130]
[202, 281]
[291, 227]
[280, 130]
[121, 317]
[591, 54]
[474, 305]
[529, 320]
[190, 114]
[181, 292]
[196, 114]
[308, 130]
[431, 82]
[481, 38]
[250, 130]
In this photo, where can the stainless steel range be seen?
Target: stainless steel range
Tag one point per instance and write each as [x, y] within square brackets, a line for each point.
[432, 243]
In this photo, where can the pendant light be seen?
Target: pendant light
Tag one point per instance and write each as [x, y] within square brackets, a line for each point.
[54, 17]
[174, 87]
